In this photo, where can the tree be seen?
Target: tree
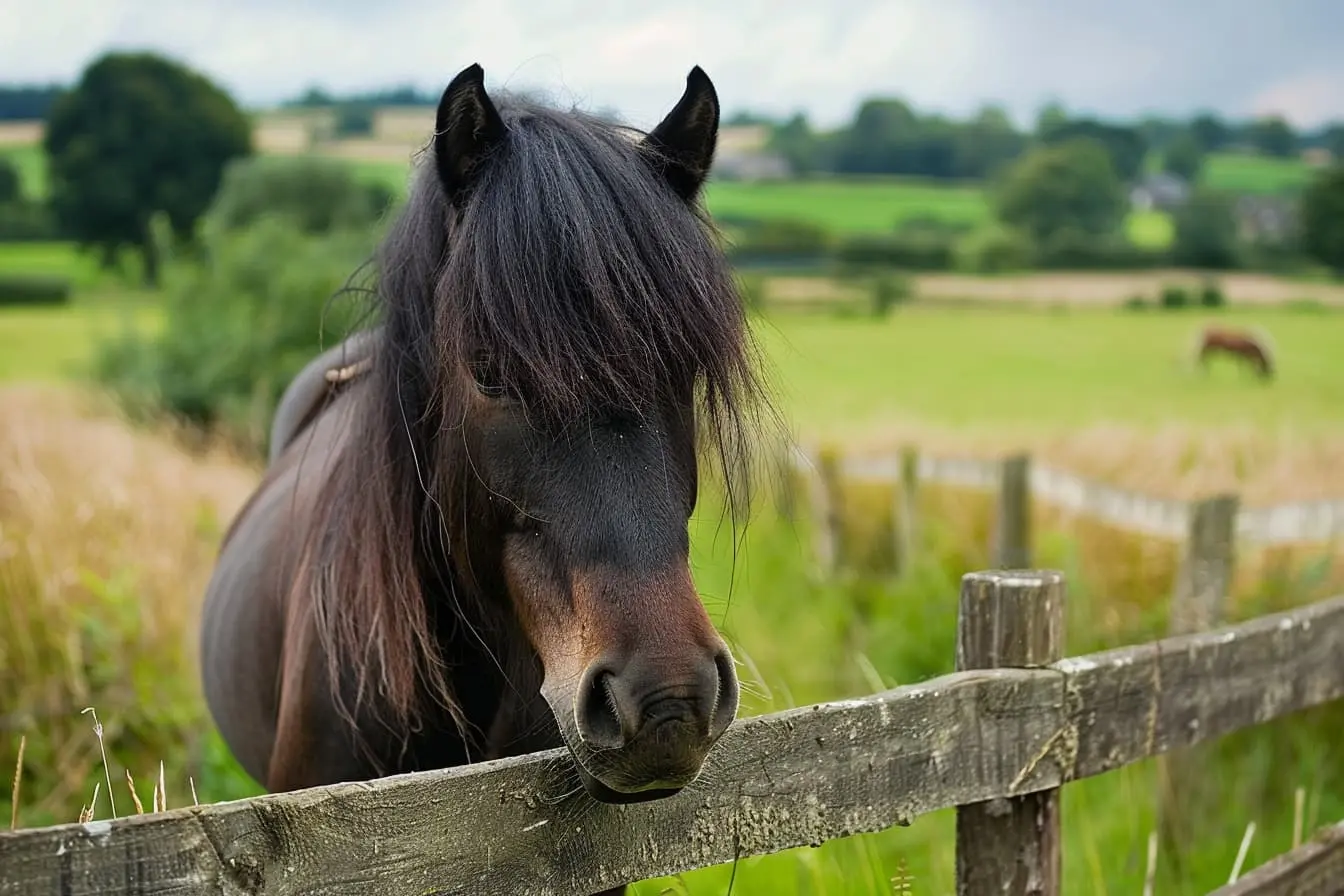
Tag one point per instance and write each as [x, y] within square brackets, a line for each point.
[1210, 131]
[317, 195]
[1126, 145]
[1069, 185]
[1322, 219]
[138, 134]
[1272, 136]
[11, 187]
[1184, 157]
[1332, 138]
[1206, 231]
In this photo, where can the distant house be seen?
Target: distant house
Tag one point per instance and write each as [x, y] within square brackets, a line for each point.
[1265, 219]
[741, 155]
[751, 166]
[1161, 191]
[1317, 157]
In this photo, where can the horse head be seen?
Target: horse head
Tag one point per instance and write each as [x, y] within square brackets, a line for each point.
[585, 331]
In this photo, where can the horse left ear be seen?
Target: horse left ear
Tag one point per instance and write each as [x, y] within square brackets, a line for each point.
[681, 148]
[467, 128]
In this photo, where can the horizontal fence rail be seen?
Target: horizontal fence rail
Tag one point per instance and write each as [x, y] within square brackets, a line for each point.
[1289, 523]
[778, 781]
[1315, 867]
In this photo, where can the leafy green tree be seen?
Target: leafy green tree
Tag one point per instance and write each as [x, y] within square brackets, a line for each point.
[1126, 145]
[316, 195]
[1211, 132]
[1071, 185]
[1322, 219]
[11, 187]
[1205, 231]
[1273, 136]
[1184, 157]
[238, 324]
[138, 134]
[1332, 139]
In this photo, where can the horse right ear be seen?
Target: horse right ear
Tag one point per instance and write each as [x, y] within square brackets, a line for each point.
[467, 128]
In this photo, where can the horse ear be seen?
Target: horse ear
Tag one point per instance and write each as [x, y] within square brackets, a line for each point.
[467, 128]
[682, 146]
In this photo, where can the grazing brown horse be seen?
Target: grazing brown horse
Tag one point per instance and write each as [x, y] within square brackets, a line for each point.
[1238, 344]
[472, 538]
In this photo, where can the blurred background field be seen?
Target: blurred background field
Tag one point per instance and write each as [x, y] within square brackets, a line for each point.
[971, 288]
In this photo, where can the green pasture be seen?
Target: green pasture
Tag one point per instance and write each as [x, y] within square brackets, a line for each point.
[52, 260]
[54, 344]
[971, 367]
[849, 205]
[32, 167]
[1240, 173]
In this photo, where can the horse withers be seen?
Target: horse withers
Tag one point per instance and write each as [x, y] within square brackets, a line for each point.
[471, 540]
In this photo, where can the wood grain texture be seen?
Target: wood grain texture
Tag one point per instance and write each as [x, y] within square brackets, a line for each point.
[1012, 529]
[1316, 868]
[1186, 796]
[1010, 846]
[788, 779]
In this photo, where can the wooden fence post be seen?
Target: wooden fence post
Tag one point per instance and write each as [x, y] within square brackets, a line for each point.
[1205, 576]
[828, 510]
[1203, 583]
[906, 509]
[1012, 530]
[1010, 846]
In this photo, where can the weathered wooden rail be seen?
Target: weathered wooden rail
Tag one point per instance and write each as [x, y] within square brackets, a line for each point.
[996, 742]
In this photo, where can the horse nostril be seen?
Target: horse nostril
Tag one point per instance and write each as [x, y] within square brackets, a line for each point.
[725, 705]
[596, 713]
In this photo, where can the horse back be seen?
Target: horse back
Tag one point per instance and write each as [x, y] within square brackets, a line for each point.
[315, 385]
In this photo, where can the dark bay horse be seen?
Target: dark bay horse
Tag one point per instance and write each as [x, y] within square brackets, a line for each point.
[1238, 344]
[471, 540]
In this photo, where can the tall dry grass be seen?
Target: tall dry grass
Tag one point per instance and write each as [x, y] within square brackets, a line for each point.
[107, 536]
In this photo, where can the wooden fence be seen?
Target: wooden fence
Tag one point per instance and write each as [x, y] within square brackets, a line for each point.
[1019, 482]
[997, 738]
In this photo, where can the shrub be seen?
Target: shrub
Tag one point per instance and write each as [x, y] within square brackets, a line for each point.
[1211, 295]
[315, 194]
[777, 241]
[993, 249]
[11, 184]
[1174, 296]
[1136, 303]
[23, 221]
[33, 289]
[237, 327]
[1206, 232]
[915, 251]
[1072, 248]
[888, 292]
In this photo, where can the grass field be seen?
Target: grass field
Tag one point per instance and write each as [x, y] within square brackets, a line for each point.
[32, 168]
[1254, 174]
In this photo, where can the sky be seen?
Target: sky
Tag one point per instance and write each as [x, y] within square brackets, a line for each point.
[1238, 57]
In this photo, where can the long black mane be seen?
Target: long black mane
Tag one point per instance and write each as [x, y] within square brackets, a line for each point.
[571, 276]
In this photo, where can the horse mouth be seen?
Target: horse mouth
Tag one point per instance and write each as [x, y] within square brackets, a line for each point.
[619, 779]
[609, 795]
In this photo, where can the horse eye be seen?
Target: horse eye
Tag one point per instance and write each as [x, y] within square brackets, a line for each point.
[488, 381]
